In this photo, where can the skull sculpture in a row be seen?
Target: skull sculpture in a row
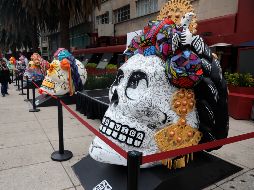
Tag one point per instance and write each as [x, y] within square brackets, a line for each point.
[169, 94]
[65, 75]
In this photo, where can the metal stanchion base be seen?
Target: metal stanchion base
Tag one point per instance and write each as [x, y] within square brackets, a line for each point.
[22, 93]
[56, 156]
[18, 89]
[15, 85]
[34, 110]
[27, 100]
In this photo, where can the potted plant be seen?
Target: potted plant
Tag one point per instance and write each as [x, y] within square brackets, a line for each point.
[240, 83]
[241, 94]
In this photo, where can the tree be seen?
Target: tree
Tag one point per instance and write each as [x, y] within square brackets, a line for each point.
[53, 15]
[18, 29]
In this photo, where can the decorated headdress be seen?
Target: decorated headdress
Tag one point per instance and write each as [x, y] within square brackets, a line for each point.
[158, 38]
[68, 62]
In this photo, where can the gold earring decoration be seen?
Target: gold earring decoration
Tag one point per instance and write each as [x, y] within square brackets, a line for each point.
[180, 134]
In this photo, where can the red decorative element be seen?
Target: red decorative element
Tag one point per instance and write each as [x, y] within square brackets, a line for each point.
[199, 72]
[183, 82]
[40, 91]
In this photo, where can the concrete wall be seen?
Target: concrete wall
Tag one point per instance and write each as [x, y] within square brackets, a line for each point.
[205, 9]
[134, 24]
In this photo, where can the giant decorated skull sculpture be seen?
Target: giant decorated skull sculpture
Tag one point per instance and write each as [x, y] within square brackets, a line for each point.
[169, 94]
[65, 75]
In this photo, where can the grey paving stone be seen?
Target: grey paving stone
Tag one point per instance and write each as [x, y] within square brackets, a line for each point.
[242, 182]
[43, 176]
[237, 153]
[68, 164]
[78, 146]
[22, 138]
[70, 131]
[19, 127]
[24, 155]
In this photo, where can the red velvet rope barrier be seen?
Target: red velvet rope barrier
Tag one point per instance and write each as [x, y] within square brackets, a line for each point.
[118, 149]
[161, 155]
[195, 148]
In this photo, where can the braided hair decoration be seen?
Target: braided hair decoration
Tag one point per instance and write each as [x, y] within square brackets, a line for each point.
[189, 65]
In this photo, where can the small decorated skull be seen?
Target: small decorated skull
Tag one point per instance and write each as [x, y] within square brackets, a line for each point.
[58, 80]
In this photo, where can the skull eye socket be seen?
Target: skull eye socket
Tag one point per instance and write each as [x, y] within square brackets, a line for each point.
[136, 85]
[119, 77]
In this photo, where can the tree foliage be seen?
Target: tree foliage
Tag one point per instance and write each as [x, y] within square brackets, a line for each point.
[22, 20]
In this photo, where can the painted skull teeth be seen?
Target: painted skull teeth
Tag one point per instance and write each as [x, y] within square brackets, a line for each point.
[122, 133]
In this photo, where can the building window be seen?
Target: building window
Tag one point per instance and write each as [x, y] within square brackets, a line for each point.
[122, 14]
[145, 7]
[103, 19]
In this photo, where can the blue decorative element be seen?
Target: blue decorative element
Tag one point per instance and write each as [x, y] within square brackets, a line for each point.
[63, 54]
[74, 68]
[150, 51]
[186, 54]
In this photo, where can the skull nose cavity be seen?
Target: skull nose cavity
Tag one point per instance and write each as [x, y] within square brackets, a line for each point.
[115, 98]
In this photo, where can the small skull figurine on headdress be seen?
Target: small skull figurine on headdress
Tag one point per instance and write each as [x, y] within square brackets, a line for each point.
[65, 74]
[169, 94]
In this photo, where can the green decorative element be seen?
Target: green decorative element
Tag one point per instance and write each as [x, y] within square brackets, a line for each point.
[99, 82]
[111, 66]
[91, 65]
[239, 79]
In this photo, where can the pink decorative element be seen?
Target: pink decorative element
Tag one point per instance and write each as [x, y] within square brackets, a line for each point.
[57, 52]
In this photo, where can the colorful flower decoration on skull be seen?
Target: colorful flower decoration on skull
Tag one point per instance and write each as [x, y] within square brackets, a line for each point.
[65, 74]
[169, 94]
[37, 68]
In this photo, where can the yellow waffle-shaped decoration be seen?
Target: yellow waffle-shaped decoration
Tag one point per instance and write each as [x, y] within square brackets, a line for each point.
[183, 101]
[175, 9]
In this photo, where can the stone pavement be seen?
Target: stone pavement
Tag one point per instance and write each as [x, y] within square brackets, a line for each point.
[28, 139]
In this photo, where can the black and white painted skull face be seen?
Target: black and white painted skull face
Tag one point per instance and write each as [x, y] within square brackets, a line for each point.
[140, 105]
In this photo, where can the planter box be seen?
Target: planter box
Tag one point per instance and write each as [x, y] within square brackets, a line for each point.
[240, 105]
[241, 90]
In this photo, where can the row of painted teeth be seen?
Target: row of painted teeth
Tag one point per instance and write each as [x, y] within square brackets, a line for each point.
[122, 133]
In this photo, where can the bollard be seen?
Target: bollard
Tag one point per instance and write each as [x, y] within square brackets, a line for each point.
[16, 80]
[27, 90]
[12, 81]
[134, 160]
[34, 106]
[22, 87]
[18, 84]
[61, 155]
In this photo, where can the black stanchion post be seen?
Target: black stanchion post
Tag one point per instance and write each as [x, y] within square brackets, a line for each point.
[61, 155]
[16, 80]
[12, 76]
[18, 83]
[34, 105]
[22, 86]
[27, 90]
[134, 160]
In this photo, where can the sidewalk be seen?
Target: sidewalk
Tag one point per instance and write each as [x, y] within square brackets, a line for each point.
[28, 139]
